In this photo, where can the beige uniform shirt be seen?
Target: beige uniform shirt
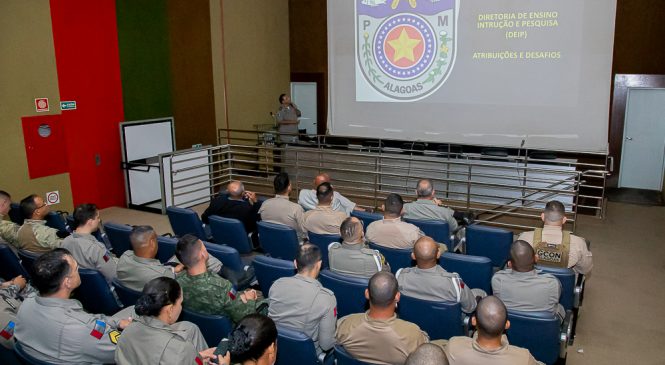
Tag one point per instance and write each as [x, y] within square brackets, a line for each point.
[462, 350]
[579, 257]
[379, 341]
[528, 291]
[9, 305]
[303, 304]
[59, 331]
[355, 259]
[8, 231]
[282, 211]
[393, 233]
[323, 220]
[425, 209]
[150, 341]
[436, 284]
[91, 254]
[36, 236]
[134, 272]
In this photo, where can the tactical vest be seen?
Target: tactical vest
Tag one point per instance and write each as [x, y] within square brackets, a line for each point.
[27, 240]
[551, 254]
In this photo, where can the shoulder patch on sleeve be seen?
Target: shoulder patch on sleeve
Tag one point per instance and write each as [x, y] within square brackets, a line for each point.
[232, 293]
[99, 329]
[8, 331]
[114, 336]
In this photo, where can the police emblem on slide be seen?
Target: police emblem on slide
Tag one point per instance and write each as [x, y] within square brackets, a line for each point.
[405, 49]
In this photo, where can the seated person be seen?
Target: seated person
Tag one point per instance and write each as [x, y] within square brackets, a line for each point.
[155, 337]
[302, 303]
[309, 200]
[84, 247]
[253, 341]
[352, 256]
[556, 247]
[323, 219]
[282, 211]
[8, 229]
[240, 204]
[391, 231]
[378, 336]
[427, 354]
[489, 345]
[209, 293]
[34, 235]
[522, 288]
[429, 281]
[53, 328]
[10, 293]
[427, 206]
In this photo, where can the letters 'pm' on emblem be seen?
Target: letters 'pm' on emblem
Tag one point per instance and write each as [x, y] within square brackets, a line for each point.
[405, 50]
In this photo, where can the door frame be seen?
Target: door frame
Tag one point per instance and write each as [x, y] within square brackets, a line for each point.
[321, 102]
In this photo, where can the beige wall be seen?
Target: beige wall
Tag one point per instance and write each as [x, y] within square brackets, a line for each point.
[27, 71]
[256, 46]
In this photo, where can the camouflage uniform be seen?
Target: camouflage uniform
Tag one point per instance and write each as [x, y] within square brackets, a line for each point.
[91, 254]
[35, 236]
[8, 231]
[211, 294]
[9, 304]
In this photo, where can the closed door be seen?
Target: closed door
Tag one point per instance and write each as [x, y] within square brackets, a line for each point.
[304, 96]
[644, 140]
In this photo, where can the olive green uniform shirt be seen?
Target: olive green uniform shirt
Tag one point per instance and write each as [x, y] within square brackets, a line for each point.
[8, 231]
[134, 272]
[436, 284]
[355, 259]
[35, 236]
[528, 291]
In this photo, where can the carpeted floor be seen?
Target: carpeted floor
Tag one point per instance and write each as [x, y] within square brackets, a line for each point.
[635, 196]
[622, 320]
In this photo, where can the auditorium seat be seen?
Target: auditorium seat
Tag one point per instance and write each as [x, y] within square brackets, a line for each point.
[278, 240]
[475, 271]
[398, 258]
[213, 327]
[8, 357]
[166, 248]
[95, 294]
[540, 333]
[490, 242]
[228, 255]
[15, 214]
[231, 232]
[344, 358]
[185, 221]
[295, 347]
[268, 270]
[56, 221]
[118, 234]
[127, 296]
[28, 261]
[571, 292]
[10, 265]
[349, 291]
[441, 320]
[323, 241]
[366, 217]
[438, 230]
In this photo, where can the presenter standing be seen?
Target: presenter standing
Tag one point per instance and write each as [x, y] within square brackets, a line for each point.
[287, 118]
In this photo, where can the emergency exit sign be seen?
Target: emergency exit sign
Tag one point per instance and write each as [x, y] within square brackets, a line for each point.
[67, 105]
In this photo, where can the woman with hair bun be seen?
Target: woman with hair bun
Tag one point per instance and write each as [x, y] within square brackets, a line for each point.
[156, 338]
[254, 341]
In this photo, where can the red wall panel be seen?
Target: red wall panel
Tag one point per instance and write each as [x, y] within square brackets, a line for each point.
[87, 61]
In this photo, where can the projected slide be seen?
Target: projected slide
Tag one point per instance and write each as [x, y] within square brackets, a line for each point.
[488, 72]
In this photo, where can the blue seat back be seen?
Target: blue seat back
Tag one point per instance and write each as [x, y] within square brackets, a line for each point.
[25, 358]
[344, 358]
[268, 270]
[127, 296]
[323, 241]
[231, 232]
[349, 291]
[185, 221]
[10, 265]
[537, 332]
[366, 217]
[438, 230]
[213, 327]
[475, 271]
[118, 234]
[295, 347]
[229, 256]
[56, 221]
[398, 258]
[278, 240]
[489, 242]
[28, 261]
[166, 248]
[95, 294]
[441, 320]
[567, 278]
[8, 357]
[15, 214]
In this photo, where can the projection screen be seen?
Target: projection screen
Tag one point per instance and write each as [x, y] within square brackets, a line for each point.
[506, 73]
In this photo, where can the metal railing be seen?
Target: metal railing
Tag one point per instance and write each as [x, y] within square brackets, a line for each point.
[506, 190]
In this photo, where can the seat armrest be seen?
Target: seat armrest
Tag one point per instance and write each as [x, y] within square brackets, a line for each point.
[566, 334]
[579, 291]
[468, 328]
[461, 245]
